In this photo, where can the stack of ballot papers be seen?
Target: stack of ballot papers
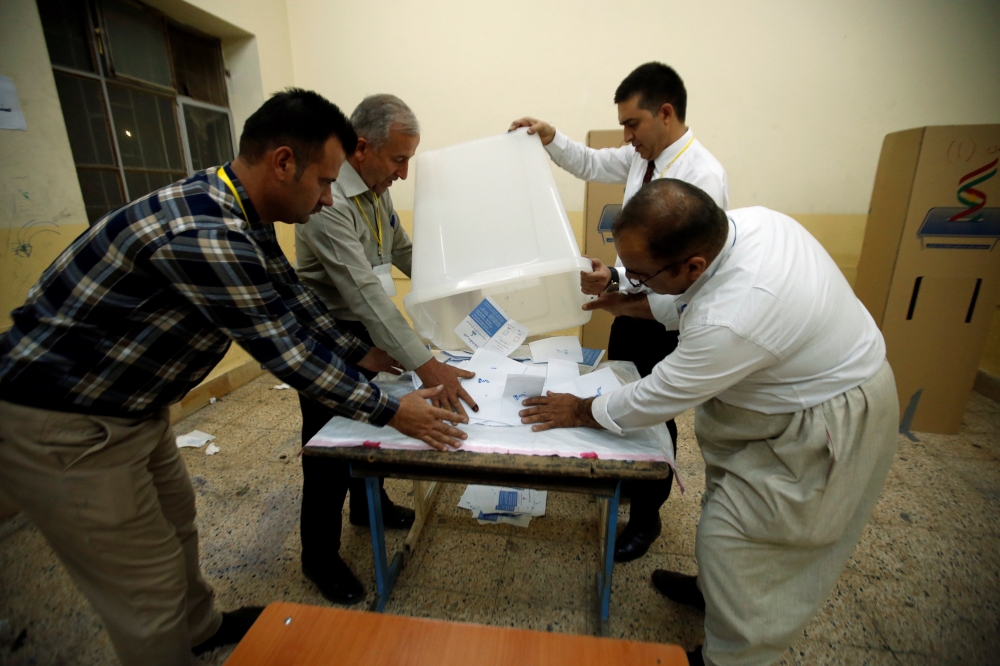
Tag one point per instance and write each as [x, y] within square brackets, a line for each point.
[502, 384]
[496, 504]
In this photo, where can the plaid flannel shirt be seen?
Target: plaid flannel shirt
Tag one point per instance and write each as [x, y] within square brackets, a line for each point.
[139, 308]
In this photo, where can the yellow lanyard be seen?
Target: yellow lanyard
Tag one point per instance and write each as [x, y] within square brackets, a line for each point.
[232, 188]
[378, 220]
[676, 156]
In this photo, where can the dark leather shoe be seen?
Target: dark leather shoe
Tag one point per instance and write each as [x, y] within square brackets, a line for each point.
[636, 538]
[336, 581]
[235, 625]
[679, 587]
[394, 516]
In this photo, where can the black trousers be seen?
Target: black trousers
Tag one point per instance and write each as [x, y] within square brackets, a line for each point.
[325, 481]
[644, 342]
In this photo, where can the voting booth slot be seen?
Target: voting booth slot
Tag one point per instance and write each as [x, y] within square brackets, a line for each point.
[929, 271]
[488, 222]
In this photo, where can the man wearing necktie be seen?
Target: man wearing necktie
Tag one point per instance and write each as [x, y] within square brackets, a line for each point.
[652, 105]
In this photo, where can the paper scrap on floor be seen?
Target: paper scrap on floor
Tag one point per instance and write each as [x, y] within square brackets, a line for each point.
[563, 347]
[497, 504]
[194, 439]
[489, 327]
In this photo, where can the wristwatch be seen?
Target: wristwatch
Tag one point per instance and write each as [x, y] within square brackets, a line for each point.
[614, 279]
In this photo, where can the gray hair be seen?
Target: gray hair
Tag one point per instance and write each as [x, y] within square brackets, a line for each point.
[376, 115]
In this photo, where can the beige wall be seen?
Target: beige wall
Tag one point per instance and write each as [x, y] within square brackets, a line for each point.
[41, 208]
[793, 97]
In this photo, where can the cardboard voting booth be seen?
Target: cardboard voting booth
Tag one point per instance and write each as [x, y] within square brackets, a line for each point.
[929, 271]
[602, 203]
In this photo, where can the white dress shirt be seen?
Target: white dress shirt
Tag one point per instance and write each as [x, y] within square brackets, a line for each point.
[771, 326]
[685, 159]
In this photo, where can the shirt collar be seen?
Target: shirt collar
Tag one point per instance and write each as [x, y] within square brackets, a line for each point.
[670, 152]
[254, 221]
[350, 182]
[713, 268]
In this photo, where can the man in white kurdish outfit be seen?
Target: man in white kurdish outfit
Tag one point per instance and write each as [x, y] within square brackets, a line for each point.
[796, 416]
[652, 107]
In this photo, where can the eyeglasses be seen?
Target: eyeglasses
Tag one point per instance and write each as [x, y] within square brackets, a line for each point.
[642, 283]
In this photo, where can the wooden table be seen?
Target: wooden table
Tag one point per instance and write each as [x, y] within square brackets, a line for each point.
[287, 634]
[598, 477]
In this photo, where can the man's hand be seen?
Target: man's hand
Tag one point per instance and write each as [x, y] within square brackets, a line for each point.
[544, 131]
[423, 421]
[558, 410]
[436, 373]
[622, 304]
[595, 282]
[378, 360]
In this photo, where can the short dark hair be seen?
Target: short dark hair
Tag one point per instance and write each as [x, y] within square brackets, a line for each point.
[677, 219]
[656, 84]
[301, 119]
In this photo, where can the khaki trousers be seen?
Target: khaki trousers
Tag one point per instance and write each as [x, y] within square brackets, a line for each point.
[786, 499]
[113, 498]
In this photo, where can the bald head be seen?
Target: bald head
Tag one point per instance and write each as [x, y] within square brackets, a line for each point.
[676, 219]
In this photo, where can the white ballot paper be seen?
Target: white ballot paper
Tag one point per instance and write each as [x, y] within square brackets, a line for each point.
[194, 439]
[597, 383]
[496, 504]
[563, 347]
[559, 373]
[486, 388]
[489, 327]
[517, 389]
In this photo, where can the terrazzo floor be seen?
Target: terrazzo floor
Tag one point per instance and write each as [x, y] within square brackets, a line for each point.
[923, 586]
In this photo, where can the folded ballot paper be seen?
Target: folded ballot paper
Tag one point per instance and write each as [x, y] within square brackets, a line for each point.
[489, 327]
[496, 504]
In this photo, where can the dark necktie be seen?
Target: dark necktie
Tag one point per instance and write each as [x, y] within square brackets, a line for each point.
[649, 171]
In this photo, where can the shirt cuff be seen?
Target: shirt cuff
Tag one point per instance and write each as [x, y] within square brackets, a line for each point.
[599, 410]
[664, 309]
[413, 354]
[557, 145]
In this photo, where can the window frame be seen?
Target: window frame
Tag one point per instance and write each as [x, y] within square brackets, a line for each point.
[183, 101]
[104, 72]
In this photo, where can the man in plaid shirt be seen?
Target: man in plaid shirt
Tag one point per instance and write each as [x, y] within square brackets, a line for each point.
[129, 318]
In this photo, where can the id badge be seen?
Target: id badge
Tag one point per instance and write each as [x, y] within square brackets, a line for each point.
[384, 273]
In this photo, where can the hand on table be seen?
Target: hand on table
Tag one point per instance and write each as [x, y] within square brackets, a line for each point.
[558, 410]
[544, 131]
[378, 360]
[419, 419]
[435, 373]
[619, 303]
[595, 282]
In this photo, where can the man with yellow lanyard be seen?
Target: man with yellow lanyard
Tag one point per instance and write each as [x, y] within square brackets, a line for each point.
[345, 254]
[652, 103]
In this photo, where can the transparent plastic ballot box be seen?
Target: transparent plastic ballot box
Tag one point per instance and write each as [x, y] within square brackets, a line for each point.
[488, 221]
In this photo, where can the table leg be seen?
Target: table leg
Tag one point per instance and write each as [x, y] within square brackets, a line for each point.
[609, 511]
[385, 575]
[424, 496]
